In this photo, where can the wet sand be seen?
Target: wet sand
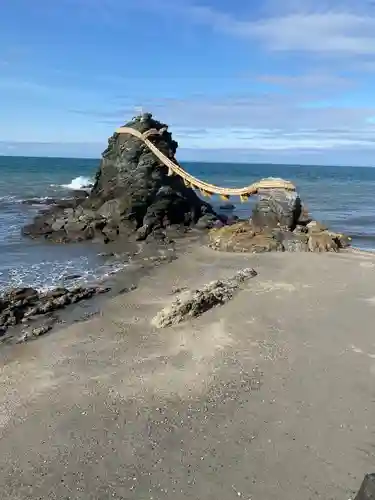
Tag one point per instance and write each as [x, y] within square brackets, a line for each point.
[270, 396]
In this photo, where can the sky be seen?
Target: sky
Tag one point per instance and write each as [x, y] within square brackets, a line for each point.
[280, 81]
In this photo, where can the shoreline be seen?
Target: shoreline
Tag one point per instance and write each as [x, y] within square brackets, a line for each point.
[142, 257]
[135, 394]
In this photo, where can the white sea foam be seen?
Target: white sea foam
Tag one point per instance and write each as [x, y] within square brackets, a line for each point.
[47, 275]
[80, 182]
[9, 199]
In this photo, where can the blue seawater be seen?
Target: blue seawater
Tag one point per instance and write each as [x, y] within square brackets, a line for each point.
[342, 197]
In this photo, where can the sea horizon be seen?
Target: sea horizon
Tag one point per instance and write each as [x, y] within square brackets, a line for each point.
[210, 162]
[341, 197]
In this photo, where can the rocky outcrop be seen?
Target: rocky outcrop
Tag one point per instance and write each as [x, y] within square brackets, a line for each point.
[280, 222]
[21, 305]
[277, 209]
[190, 304]
[367, 489]
[132, 193]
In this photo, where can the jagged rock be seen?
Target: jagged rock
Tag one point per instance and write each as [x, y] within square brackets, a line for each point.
[24, 294]
[131, 188]
[322, 242]
[291, 241]
[190, 304]
[21, 304]
[265, 242]
[206, 221]
[58, 225]
[110, 210]
[342, 240]
[33, 333]
[367, 489]
[75, 227]
[243, 237]
[277, 208]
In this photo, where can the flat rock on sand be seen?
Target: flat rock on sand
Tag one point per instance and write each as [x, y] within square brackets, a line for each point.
[269, 396]
[193, 303]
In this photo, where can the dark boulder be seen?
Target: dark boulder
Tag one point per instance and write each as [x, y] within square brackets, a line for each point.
[132, 188]
[277, 208]
[21, 305]
[367, 489]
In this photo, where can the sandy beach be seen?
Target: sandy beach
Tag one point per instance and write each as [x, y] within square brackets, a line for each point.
[269, 396]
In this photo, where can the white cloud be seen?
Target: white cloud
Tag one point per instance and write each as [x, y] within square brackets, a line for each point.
[319, 27]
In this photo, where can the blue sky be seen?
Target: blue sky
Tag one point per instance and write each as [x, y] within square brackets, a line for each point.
[237, 80]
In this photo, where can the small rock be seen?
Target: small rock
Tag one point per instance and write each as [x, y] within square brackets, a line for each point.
[227, 206]
[143, 232]
[58, 224]
[178, 289]
[291, 241]
[194, 303]
[34, 333]
[22, 294]
[243, 237]
[75, 227]
[71, 277]
[207, 221]
[99, 290]
[56, 292]
[61, 301]
[110, 209]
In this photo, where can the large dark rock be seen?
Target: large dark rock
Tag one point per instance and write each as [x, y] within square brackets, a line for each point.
[138, 185]
[367, 489]
[20, 305]
[132, 193]
[277, 208]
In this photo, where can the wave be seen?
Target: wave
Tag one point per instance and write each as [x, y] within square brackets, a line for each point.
[10, 199]
[78, 183]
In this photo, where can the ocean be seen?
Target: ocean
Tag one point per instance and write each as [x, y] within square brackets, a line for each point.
[341, 197]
